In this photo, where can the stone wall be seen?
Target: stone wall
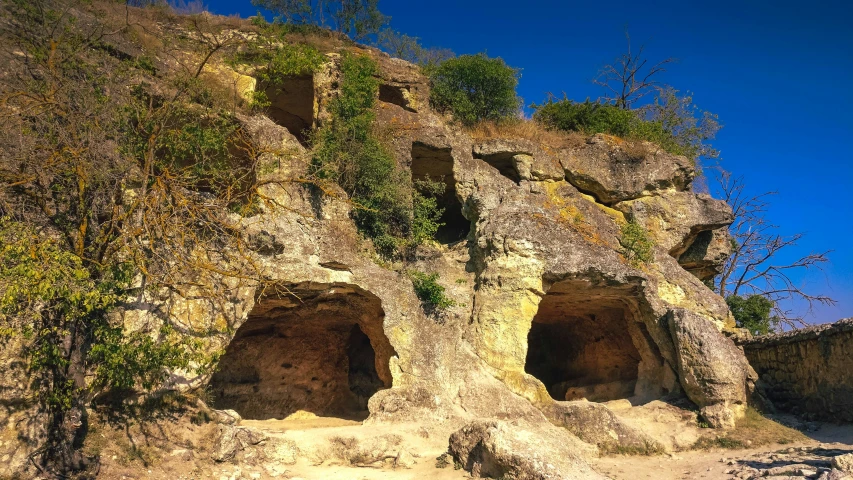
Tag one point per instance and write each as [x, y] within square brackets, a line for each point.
[807, 371]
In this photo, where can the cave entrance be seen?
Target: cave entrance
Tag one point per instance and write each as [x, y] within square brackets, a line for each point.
[436, 164]
[320, 349]
[583, 343]
[292, 105]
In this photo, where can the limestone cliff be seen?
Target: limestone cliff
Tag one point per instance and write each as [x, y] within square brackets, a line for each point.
[548, 315]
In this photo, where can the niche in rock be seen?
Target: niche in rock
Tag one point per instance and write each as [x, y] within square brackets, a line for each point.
[292, 105]
[395, 95]
[436, 164]
[505, 163]
[321, 349]
[585, 342]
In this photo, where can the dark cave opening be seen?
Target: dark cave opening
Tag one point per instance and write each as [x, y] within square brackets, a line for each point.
[395, 96]
[292, 105]
[324, 352]
[436, 164]
[504, 163]
[579, 345]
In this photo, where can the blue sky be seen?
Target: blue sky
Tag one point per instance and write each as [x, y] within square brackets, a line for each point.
[778, 73]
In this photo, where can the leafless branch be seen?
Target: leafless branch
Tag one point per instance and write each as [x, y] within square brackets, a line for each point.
[630, 77]
[752, 269]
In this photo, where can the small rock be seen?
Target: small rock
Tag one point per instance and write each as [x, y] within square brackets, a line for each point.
[843, 463]
[225, 417]
[834, 474]
[404, 460]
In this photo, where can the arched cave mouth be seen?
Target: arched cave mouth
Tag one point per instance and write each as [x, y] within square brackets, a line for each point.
[585, 342]
[436, 164]
[320, 348]
[292, 105]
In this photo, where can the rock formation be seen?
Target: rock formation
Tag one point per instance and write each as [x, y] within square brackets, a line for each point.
[549, 314]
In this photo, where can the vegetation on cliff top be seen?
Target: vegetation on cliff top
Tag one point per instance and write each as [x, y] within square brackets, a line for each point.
[475, 88]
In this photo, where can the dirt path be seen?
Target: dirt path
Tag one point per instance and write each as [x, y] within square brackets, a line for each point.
[323, 440]
[824, 443]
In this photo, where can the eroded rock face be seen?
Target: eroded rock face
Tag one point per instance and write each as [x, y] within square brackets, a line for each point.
[613, 170]
[312, 347]
[675, 219]
[547, 307]
[495, 449]
[713, 371]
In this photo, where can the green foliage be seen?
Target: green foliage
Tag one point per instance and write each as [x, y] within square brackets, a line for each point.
[672, 122]
[690, 127]
[275, 60]
[356, 18]
[475, 88]
[350, 152]
[426, 214]
[753, 313]
[637, 247]
[400, 45]
[594, 117]
[45, 292]
[429, 291]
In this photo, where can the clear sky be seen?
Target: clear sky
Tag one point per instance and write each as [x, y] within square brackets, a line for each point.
[779, 74]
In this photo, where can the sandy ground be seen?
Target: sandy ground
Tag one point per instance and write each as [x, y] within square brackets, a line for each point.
[712, 464]
[313, 434]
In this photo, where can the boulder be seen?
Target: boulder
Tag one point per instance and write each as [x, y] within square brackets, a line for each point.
[713, 372]
[706, 256]
[225, 417]
[675, 219]
[519, 159]
[613, 170]
[497, 449]
[843, 463]
[596, 424]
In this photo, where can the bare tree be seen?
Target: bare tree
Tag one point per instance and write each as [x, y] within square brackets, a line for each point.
[752, 268]
[630, 77]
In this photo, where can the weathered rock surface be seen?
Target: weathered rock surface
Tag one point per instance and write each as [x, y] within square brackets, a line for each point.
[843, 462]
[547, 308]
[596, 424]
[612, 170]
[497, 449]
[675, 219]
[706, 256]
[807, 371]
[713, 371]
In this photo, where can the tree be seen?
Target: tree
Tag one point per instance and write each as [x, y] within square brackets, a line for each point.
[356, 18]
[408, 48]
[475, 88]
[753, 313]
[689, 126]
[112, 190]
[630, 78]
[752, 269]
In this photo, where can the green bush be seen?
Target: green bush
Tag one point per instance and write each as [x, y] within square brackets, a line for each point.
[594, 117]
[475, 88]
[274, 60]
[426, 214]
[637, 247]
[350, 152]
[429, 291]
[753, 313]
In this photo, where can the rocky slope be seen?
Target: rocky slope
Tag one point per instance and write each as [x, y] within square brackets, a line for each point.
[551, 321]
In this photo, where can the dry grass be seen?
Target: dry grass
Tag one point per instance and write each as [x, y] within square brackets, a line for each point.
[637, 150]
[754, 430]
[526, 129]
